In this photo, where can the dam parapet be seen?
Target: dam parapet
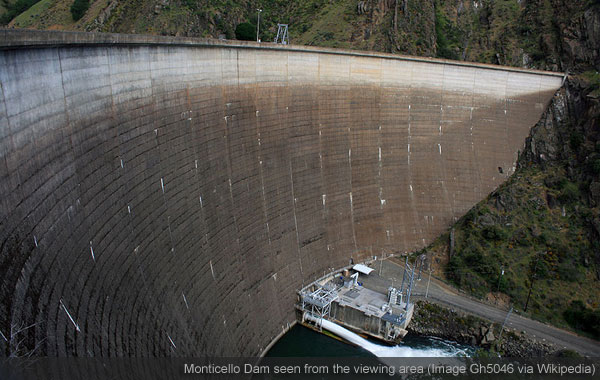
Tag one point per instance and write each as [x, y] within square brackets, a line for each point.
[341, 298]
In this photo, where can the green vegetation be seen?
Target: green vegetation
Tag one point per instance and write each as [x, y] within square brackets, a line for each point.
[79, 8]
[583, 319]
[25, 19]
[447, 35]
[593, 80]
[14, 9]
[245, 31]
[536, 229]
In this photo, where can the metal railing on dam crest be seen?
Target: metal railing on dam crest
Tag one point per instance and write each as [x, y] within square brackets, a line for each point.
[169, 196]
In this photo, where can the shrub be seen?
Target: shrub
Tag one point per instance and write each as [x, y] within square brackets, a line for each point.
[79, 8]
[595, 166]
[191, 4]
[582, 318]
[446, 35]
[245, 31]
[575, 140]
[494, 233]
[569, 193]
[569, 271]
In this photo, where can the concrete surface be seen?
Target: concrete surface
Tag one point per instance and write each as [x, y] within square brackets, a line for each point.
[168, 196]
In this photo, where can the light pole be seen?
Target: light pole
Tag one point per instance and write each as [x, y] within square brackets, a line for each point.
[258, 25]
[499, 277]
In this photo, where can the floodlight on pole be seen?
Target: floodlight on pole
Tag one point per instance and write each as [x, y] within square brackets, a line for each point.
[258, 25]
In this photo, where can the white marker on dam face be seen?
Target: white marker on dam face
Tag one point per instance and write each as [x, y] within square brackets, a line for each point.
[92, 251]
[212, 270]
[185, 300]
[173, 343]
[69, 314]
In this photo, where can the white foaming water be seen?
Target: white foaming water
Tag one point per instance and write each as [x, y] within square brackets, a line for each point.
[387, 351]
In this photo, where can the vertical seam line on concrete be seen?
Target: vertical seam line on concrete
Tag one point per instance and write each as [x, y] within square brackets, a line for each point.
[506, 137]
[68, 119]
[449, 202]
[290, 157]
[474, 160]
[350, 166]
[408, 166]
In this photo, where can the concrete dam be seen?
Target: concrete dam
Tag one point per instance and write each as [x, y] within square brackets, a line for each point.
[168, 196]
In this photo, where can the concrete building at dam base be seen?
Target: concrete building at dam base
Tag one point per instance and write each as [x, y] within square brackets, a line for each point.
[341, 298]
[167, 196]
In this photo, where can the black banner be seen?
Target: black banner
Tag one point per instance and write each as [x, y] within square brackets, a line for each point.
[296, 368]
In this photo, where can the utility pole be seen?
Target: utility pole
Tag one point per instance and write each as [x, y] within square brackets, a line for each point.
[499, 277]
[532, 281]
[258, 25]
[503, 323]
[428, 281]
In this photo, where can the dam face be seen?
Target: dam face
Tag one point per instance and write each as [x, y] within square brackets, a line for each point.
[169, 196]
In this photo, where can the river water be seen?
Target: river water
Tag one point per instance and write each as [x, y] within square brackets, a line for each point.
[301, 341]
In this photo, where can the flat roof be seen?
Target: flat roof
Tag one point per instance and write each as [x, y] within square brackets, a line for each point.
[363, 269]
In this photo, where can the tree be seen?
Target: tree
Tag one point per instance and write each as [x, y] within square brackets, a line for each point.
[245, 31]
[79, 8]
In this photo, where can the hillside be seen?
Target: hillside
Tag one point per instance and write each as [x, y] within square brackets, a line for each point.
[509, 32]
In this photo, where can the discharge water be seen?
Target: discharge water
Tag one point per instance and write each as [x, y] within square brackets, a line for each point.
[301, 341]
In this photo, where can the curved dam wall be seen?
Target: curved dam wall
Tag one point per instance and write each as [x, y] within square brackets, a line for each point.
[169, 196]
